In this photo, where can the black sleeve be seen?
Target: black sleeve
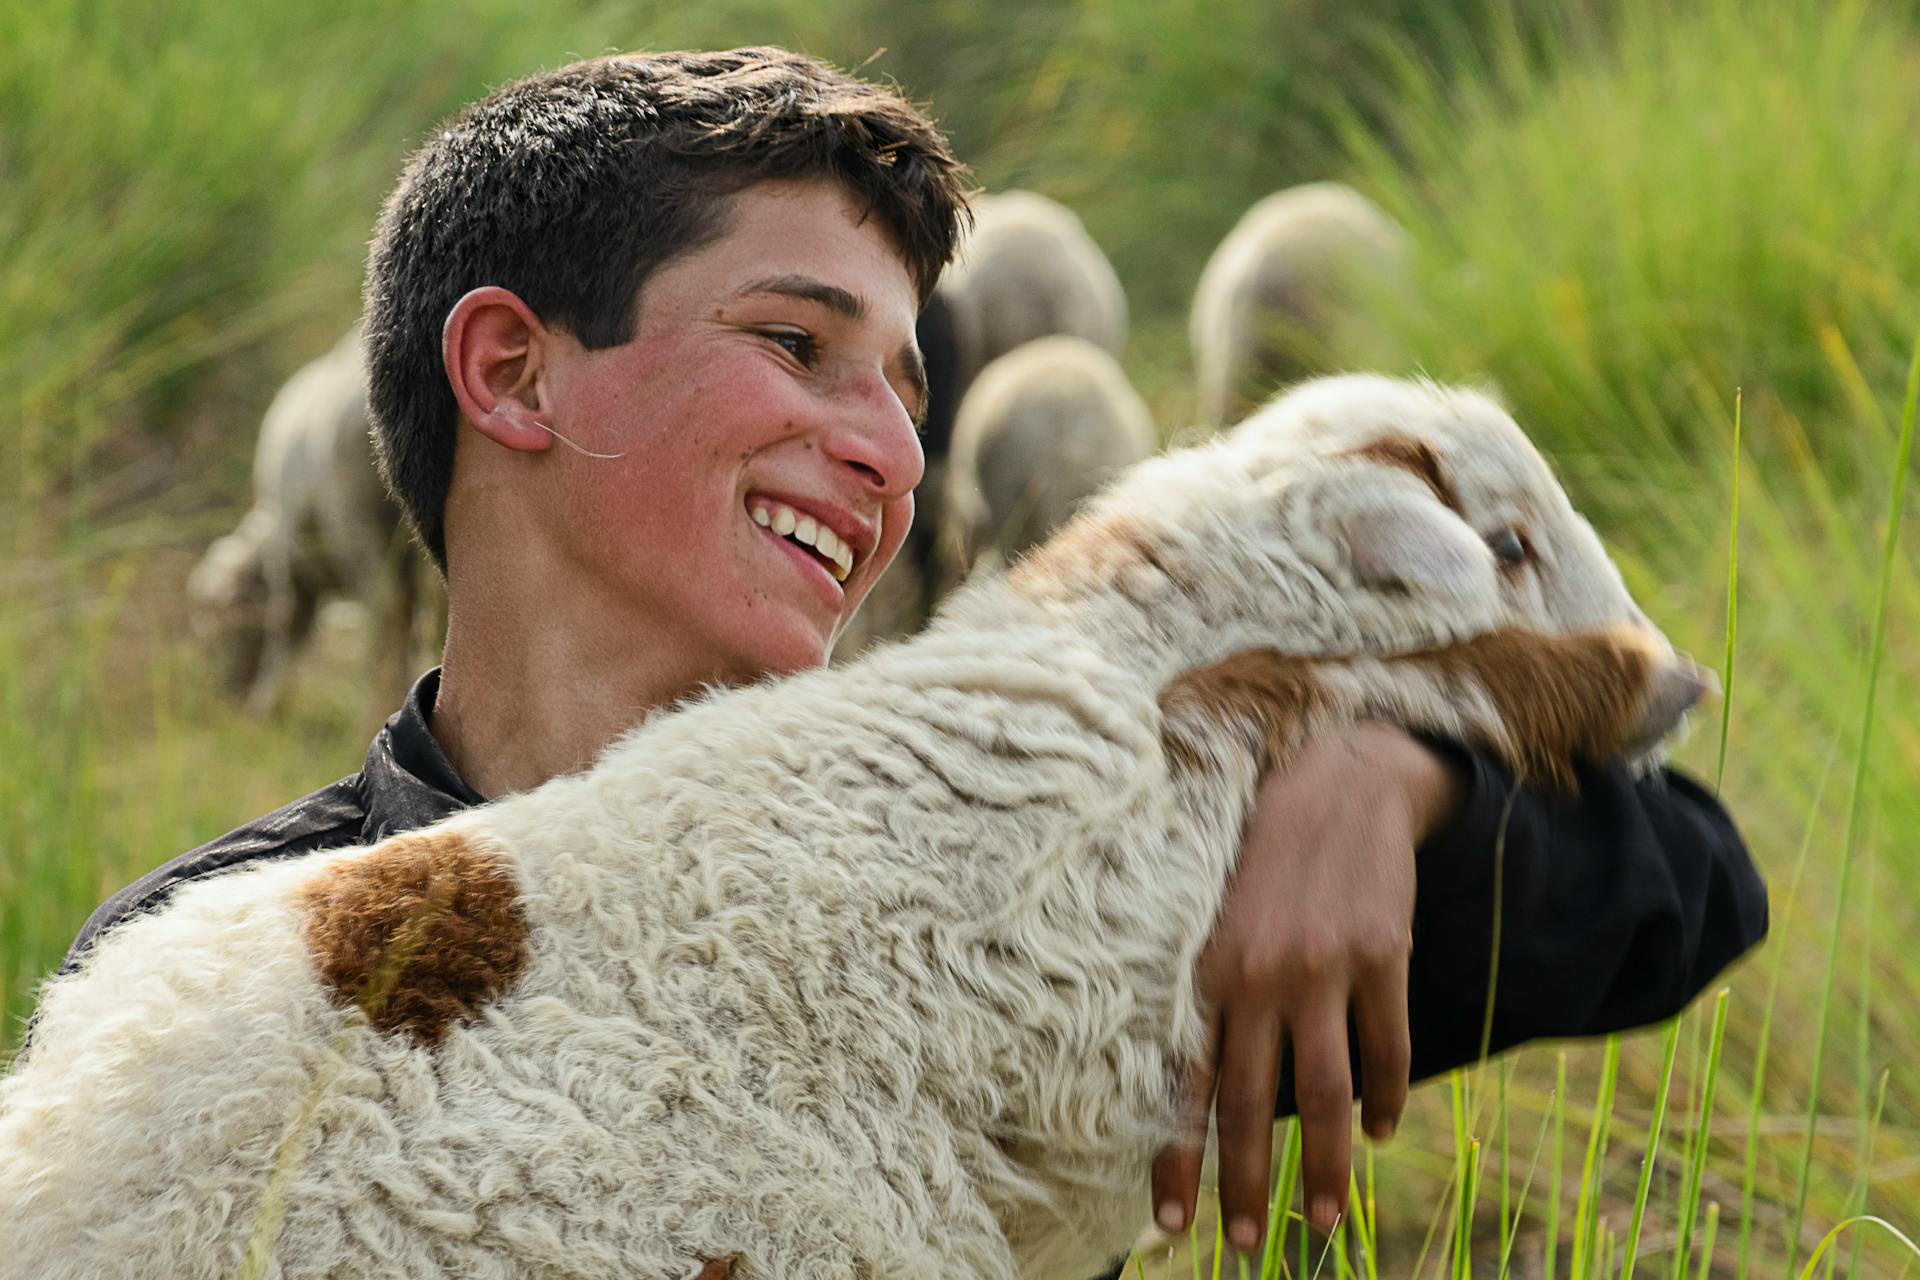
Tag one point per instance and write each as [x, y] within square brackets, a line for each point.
[1617, 905]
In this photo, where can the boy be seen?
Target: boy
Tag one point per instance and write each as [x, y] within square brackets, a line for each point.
[631, 321]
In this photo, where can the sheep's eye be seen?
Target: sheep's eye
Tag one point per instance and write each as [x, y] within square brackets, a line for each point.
[1509, 548]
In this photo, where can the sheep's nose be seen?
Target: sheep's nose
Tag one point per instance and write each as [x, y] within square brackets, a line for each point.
[1675, 689]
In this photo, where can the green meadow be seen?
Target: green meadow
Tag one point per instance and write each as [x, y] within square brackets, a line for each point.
[1683, 240]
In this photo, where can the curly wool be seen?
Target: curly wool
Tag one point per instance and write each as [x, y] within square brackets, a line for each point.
[881, 970]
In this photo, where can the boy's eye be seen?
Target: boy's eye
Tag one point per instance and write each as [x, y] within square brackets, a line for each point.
[798, 345]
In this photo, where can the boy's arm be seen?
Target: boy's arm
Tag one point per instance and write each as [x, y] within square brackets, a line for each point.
[1617, 907]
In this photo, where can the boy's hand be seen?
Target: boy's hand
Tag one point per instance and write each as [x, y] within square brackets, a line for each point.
[1317, 925]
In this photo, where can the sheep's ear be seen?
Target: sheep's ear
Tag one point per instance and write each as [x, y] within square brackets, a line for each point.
[1413, 544]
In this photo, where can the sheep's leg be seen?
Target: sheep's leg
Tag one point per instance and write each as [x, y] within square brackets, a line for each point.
[1537, 700]
[289, 614]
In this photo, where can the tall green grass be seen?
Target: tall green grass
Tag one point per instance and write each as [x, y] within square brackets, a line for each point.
[1632, 229]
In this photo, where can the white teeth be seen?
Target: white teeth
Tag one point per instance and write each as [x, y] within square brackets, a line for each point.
[786, 522]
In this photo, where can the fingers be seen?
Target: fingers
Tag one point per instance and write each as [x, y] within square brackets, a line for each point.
[1249, 1079]
[1323, 1088]
[1176, 1170]
[1386, 1050]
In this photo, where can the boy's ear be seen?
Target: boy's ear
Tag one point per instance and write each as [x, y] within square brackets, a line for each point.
[492, 346]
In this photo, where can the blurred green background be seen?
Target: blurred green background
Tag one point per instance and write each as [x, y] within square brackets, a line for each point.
[1621, 213]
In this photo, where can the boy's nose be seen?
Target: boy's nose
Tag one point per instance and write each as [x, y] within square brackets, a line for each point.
[875, 437]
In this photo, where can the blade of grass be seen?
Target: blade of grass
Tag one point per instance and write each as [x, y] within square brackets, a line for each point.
[1707, 1235]
[1507, 1224]
[1631, 1249]
[1587, 1206]
[1559, 1161]
[1864, 1169]
[1733, 599]
[1874, 656]
[1279, 1209]
[1862, 1219]
[1757, 1094]
[1697, 1162]
[1526, 1187]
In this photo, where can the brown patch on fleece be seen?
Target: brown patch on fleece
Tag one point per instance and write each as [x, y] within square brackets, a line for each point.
[718, 1269]
[1088, 547]
[419, 932]
[1558, 697]
[1275, 692]
[1416, 456]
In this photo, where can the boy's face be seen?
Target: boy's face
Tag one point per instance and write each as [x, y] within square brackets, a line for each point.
[772, 378]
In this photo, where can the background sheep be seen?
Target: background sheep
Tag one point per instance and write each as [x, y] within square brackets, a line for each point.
[1041, 429]
[880, 970]
[321, 525]
[1278, 297]
[1027, 270]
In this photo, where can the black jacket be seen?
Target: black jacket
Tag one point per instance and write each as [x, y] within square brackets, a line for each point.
[1618, 907]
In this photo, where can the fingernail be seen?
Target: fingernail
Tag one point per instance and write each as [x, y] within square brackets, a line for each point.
[1171, 1216]
[1326, 1212]
[1381, 1130]
[1244, 1233]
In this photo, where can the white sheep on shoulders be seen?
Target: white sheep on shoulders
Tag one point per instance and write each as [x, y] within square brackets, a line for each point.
[883, 970]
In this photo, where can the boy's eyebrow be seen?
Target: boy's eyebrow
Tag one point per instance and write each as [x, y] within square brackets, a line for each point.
[808, 289]
[852, 307]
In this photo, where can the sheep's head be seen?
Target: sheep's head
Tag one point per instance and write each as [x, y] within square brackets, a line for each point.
[1435, 518]
[1357, 515]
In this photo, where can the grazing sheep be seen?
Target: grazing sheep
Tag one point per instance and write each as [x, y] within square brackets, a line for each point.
[1029, 269]
[882, 970]
[1041, 429]
[1277, 299]
[321, 525]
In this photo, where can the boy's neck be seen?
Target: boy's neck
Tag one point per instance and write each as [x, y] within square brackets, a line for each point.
[531, 696]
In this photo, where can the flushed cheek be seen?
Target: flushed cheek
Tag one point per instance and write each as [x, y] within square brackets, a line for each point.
[896, 518]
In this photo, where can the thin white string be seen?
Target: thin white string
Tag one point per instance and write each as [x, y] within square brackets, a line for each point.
[585, 453]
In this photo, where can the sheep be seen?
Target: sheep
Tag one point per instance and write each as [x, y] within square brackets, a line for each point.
[1028, 270]
[878, 970]
[1041, 429]
[320, 525]
[1279, 298]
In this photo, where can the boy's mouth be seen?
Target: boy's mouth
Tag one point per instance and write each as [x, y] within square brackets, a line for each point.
[804, 531]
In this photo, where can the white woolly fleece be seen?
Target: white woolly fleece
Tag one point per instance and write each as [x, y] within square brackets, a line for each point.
[882, 970]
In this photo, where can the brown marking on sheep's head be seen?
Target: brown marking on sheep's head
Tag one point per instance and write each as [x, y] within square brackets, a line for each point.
[1278, 694]
[1092, 549]
[1591, 695]
[1417, 457]
[419, 932]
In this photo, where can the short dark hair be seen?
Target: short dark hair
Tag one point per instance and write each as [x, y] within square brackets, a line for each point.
[572, 186]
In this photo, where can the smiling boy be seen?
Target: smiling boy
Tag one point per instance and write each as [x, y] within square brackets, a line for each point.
[641, 339]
